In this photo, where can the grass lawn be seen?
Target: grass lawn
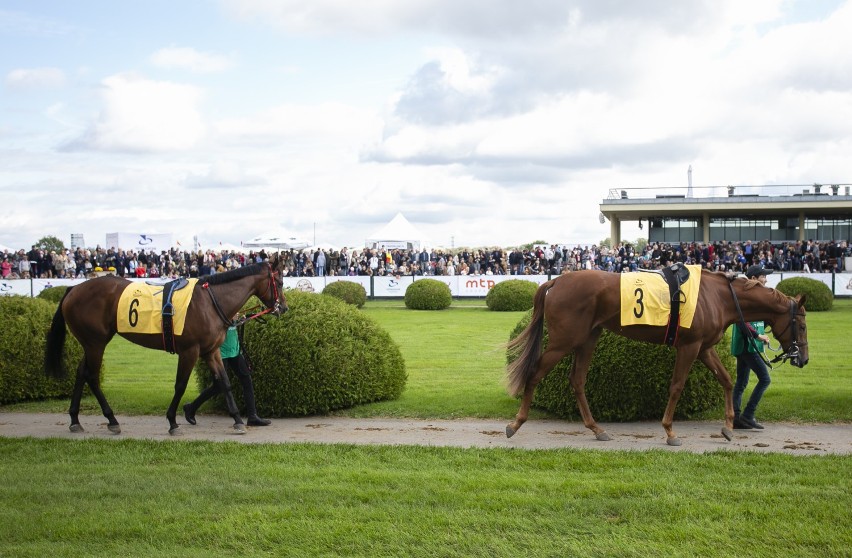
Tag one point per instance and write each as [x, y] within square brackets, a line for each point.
[145, 498]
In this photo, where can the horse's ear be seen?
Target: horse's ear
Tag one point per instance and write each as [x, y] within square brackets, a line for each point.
[800, 300]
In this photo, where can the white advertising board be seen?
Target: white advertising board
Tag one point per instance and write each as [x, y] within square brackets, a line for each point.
[139, 241]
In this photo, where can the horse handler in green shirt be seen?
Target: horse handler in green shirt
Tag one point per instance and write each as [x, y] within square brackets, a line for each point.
[232, 356]
[748, 347]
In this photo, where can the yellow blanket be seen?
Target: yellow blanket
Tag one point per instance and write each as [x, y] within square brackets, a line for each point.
[140, 309]
[645, 298]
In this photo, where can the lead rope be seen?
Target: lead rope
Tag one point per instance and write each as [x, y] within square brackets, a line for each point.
[745, 331]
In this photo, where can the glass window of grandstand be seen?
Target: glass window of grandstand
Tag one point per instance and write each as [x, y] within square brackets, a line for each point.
[740, 229]
[674, 230]
[828, 228]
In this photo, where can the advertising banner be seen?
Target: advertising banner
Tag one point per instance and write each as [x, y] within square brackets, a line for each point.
[473, 286]
[139, 241]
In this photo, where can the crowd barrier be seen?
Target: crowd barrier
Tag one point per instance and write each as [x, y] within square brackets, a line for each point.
[461, 286]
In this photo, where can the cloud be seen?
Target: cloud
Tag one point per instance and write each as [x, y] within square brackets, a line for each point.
[35, 78]
[142, 115]
[190, 59]
[228, 175]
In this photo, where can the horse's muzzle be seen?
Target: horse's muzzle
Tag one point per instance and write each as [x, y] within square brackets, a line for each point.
[278, 309]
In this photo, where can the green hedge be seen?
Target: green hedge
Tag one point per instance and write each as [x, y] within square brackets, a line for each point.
[428, 294]
[629, 380]
[514, 295]
[819, 296]
[22, 341]
[347, 291]
[52, 294]
[322, 355]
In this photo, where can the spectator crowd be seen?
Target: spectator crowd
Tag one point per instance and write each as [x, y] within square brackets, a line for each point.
[808, 256]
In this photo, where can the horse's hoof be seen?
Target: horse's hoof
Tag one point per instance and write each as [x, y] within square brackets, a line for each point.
[76, 428]
[603, 436]
[674, 441]
[727, 433]
[510, 431]
[175, 431]
[114, 428]
[239, 429]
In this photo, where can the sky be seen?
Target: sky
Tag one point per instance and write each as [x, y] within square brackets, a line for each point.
[484, 122]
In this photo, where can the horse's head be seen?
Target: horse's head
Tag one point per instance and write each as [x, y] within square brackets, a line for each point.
[792, 332]
[274, 297]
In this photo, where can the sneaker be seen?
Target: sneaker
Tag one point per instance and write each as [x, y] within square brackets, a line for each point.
[753, 424]
[189, 413]
[740, 424]
[257, 421]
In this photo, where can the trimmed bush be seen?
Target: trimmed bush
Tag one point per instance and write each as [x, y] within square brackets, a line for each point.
[819, 296]
[322, 355]
[347, 291]
[629, 380]
[52, 294]
[22, 339]
[428, 294]
[514, 295]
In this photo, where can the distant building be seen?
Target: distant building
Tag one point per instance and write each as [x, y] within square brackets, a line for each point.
[734, 213]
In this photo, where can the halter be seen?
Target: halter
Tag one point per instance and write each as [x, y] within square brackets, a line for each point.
[240, 320]
[792, 352]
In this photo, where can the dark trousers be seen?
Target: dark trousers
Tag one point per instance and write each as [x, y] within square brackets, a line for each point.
[747, 362]
[239, 367]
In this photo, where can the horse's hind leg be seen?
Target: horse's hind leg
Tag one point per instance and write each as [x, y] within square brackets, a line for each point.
[93, 369]
[546, 362]
[76, 396]
[582, 359]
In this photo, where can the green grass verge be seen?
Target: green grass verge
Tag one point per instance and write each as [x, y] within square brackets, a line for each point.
[145, 498]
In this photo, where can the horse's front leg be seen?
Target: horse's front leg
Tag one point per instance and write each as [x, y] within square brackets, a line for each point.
[686, 355]
[712, 361]
[186, 362]
[220, 376]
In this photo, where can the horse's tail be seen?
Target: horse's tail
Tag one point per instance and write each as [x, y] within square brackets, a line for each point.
[55, 341]
[528, 342]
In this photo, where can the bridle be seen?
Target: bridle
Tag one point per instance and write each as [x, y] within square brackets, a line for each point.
[791, 353]
[275, 309]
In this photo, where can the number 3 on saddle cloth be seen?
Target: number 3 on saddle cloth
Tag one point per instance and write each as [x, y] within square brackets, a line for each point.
[661, 298]
[156, 309]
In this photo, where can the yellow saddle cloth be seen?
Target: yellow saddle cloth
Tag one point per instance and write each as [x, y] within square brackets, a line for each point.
[140, 308]
[645, 298]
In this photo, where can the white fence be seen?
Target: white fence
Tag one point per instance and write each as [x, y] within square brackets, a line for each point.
[461, 286]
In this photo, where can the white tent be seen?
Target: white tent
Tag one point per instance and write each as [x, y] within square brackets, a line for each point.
[398, 233]
[4, 248]
[276, 240]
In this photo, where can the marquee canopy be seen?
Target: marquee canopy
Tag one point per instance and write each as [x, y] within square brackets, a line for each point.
[398, 233]
[277, 240]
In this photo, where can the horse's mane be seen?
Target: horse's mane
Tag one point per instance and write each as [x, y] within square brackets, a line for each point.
[232, 275]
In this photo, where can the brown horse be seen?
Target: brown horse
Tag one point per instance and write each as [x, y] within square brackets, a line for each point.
[577, 306]
[90, 310]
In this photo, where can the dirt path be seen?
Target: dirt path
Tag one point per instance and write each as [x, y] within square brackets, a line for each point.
[699, 437]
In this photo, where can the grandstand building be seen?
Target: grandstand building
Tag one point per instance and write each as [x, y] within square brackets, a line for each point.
[733, 213]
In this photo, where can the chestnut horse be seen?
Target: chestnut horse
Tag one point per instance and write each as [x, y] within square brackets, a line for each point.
[577, 306]
[90, 310]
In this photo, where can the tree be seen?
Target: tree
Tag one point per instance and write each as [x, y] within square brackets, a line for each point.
[49, 243]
